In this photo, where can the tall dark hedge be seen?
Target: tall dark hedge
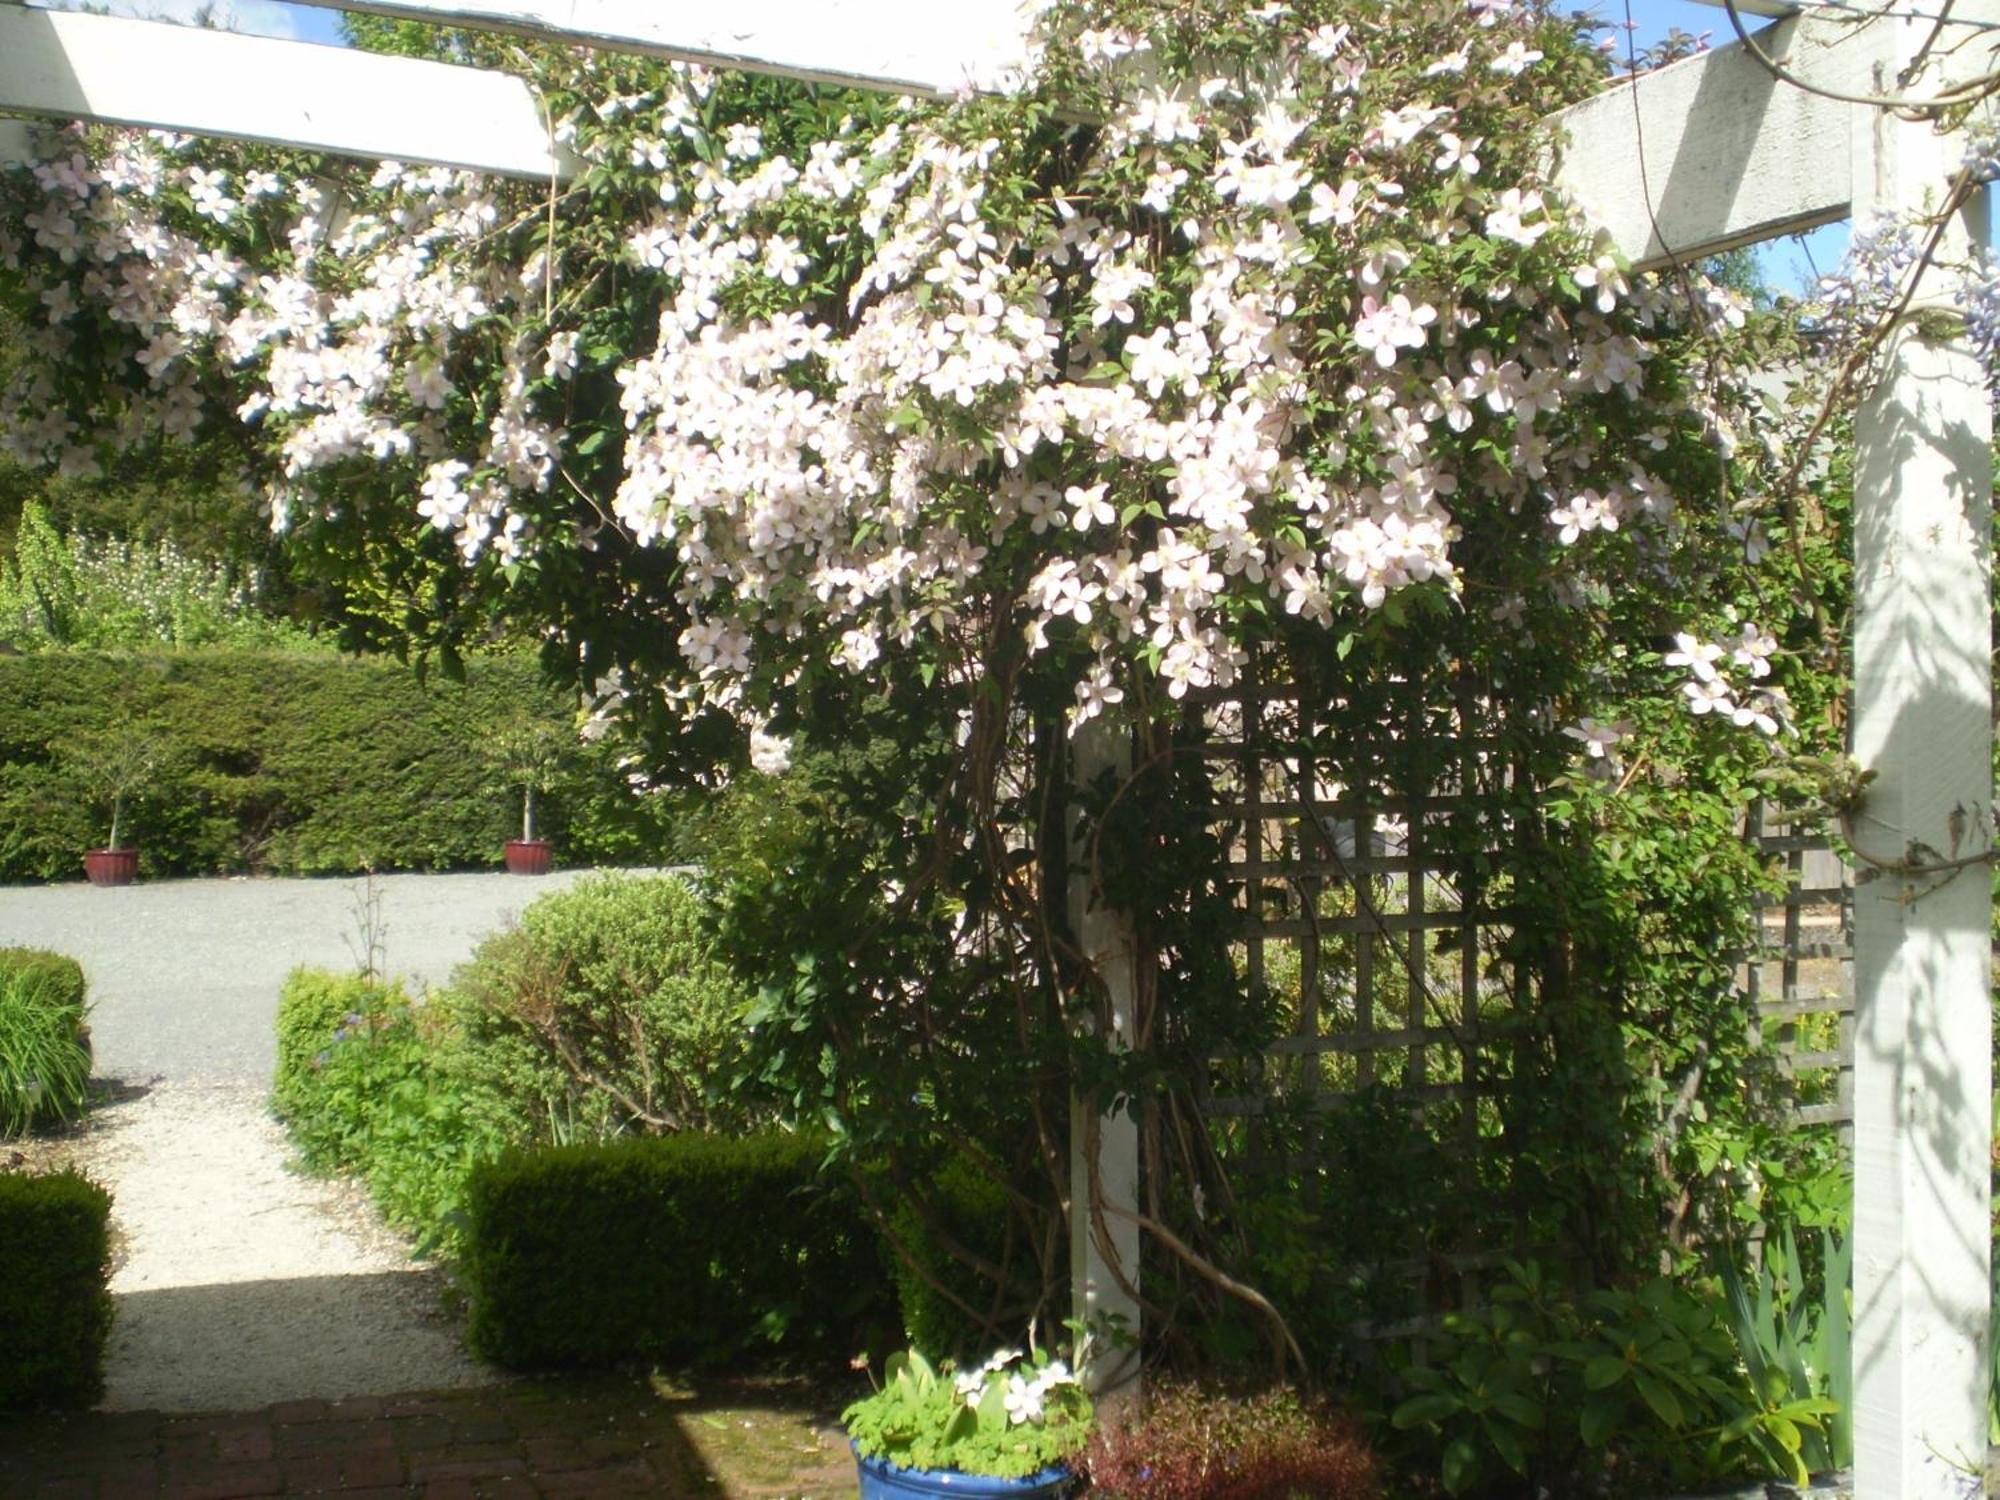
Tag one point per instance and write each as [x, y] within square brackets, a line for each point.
[293, 764]
[688, 1249]
[55, 1305]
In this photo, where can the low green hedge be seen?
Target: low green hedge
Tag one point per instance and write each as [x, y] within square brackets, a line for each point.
[973, 1210]
[55, 1303]
[686, 1249]
[44, 1043]
[312, 1009]
[367, 1084]
[295, 764]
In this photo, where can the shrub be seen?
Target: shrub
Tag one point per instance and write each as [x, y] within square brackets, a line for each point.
[365, 1085]
[972, 1209]
[1542, 1389]
[689, 1249]
[55, 1303]
[312, 1008]
[296, 763]
[44, 1045]
[603, 1011]
[1193, 1444]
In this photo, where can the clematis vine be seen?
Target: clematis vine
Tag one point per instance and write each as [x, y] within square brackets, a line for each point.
[927, 377]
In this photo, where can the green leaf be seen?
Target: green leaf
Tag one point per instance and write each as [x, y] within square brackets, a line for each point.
[1603, 1372]
[1507, 1443]
[1666, 1406]
[1598, 1420]
[1422, 1411]
[1460, 1469]
[1521, 1410]
[993, 1407]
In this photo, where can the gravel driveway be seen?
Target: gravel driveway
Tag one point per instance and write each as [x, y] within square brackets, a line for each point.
[184, 974]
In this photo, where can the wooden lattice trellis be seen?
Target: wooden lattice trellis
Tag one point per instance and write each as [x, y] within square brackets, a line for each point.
[1334, 863]
[1369, 912]
[1801, 976]
[1372, 913]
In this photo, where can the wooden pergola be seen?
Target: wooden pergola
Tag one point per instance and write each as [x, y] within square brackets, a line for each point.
[1709, 154]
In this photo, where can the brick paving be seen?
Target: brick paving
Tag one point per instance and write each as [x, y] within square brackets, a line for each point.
[567, 1440]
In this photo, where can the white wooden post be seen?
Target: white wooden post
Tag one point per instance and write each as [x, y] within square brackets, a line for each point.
[1923, 725]
[1104, 1243]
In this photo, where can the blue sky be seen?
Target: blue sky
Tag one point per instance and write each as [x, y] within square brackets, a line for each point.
[257, 17]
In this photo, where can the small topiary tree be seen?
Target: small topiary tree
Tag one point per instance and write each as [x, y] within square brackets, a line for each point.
[532, 754]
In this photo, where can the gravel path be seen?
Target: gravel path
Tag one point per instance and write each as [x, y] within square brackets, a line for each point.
[240, 1282]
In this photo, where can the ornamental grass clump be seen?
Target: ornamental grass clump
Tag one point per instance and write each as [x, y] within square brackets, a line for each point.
[44, 1052]
[1194, 1444]
[1013, 1416]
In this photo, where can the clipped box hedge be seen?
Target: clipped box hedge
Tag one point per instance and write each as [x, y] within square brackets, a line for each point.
[685, 1249]
[294, 763]
[55, 1302]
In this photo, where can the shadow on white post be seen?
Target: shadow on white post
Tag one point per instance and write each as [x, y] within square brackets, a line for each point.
[1923, 724]
[1104, 1137]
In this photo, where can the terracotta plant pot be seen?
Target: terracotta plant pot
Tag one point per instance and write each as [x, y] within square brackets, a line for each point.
[110, 866]
[528, 856]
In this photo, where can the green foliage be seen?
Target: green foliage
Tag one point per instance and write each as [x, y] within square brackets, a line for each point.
[372, 1097]
[297, 764]
[1993, 1358]
[55, 1301]
[312, 1006]
[687, 1249]
[605, 1009]
[65, 971]
[869, 1005]
[530, 753]
[1195, 1444]
[1794, 1337]
[1009, 1417]
[1544, 1389]
[44, 1046]
[949, 1306]
[96, 595]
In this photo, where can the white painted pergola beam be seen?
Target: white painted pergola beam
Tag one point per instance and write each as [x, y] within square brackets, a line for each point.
[1712, 152]
[74, 66]
[935, 47]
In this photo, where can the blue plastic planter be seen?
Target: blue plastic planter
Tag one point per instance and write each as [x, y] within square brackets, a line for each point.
[882, 1480]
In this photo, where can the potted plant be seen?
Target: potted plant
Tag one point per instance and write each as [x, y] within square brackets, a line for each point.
[531, 752]
[1008, 1428]
[111, 775]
